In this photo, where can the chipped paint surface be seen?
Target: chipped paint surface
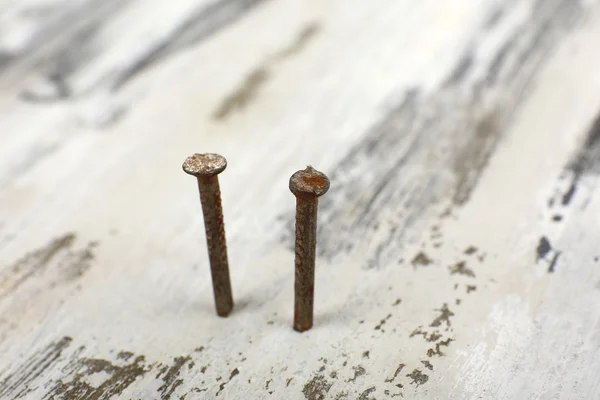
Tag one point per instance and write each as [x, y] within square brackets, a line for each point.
[57, 262]
[456, 247]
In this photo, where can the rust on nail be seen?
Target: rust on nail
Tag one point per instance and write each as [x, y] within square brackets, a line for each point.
[307, 185]
[206, 167]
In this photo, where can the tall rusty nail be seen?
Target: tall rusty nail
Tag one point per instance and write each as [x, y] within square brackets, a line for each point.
[307, 185]
[206, 167]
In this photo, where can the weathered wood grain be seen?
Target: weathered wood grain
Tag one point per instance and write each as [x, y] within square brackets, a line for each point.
[457, 251]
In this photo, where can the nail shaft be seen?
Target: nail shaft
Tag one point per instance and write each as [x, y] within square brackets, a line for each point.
[206, 167]
[210, 197]
[306, 243]
[307, 185]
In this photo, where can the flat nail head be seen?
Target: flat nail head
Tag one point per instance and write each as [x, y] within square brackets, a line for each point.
[309, 183]
[204, 165]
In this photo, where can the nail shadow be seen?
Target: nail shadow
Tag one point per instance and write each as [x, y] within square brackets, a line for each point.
[332, 317]
[320, 319]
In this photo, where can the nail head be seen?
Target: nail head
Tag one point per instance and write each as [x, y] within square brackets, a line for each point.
[208, 164]
[309, 183]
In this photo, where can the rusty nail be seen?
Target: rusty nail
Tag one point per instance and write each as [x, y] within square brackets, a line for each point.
[206, 167]
[307, 185]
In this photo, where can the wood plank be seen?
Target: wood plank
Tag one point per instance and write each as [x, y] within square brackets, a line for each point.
[456, 253]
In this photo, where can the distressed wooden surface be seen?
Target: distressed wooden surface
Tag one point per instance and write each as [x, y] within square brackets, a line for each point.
[457, 254]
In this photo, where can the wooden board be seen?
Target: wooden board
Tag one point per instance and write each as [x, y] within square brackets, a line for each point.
[457, 253]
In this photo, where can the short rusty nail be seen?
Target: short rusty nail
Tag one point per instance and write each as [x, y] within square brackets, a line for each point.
[206, 167]
[307, 185]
